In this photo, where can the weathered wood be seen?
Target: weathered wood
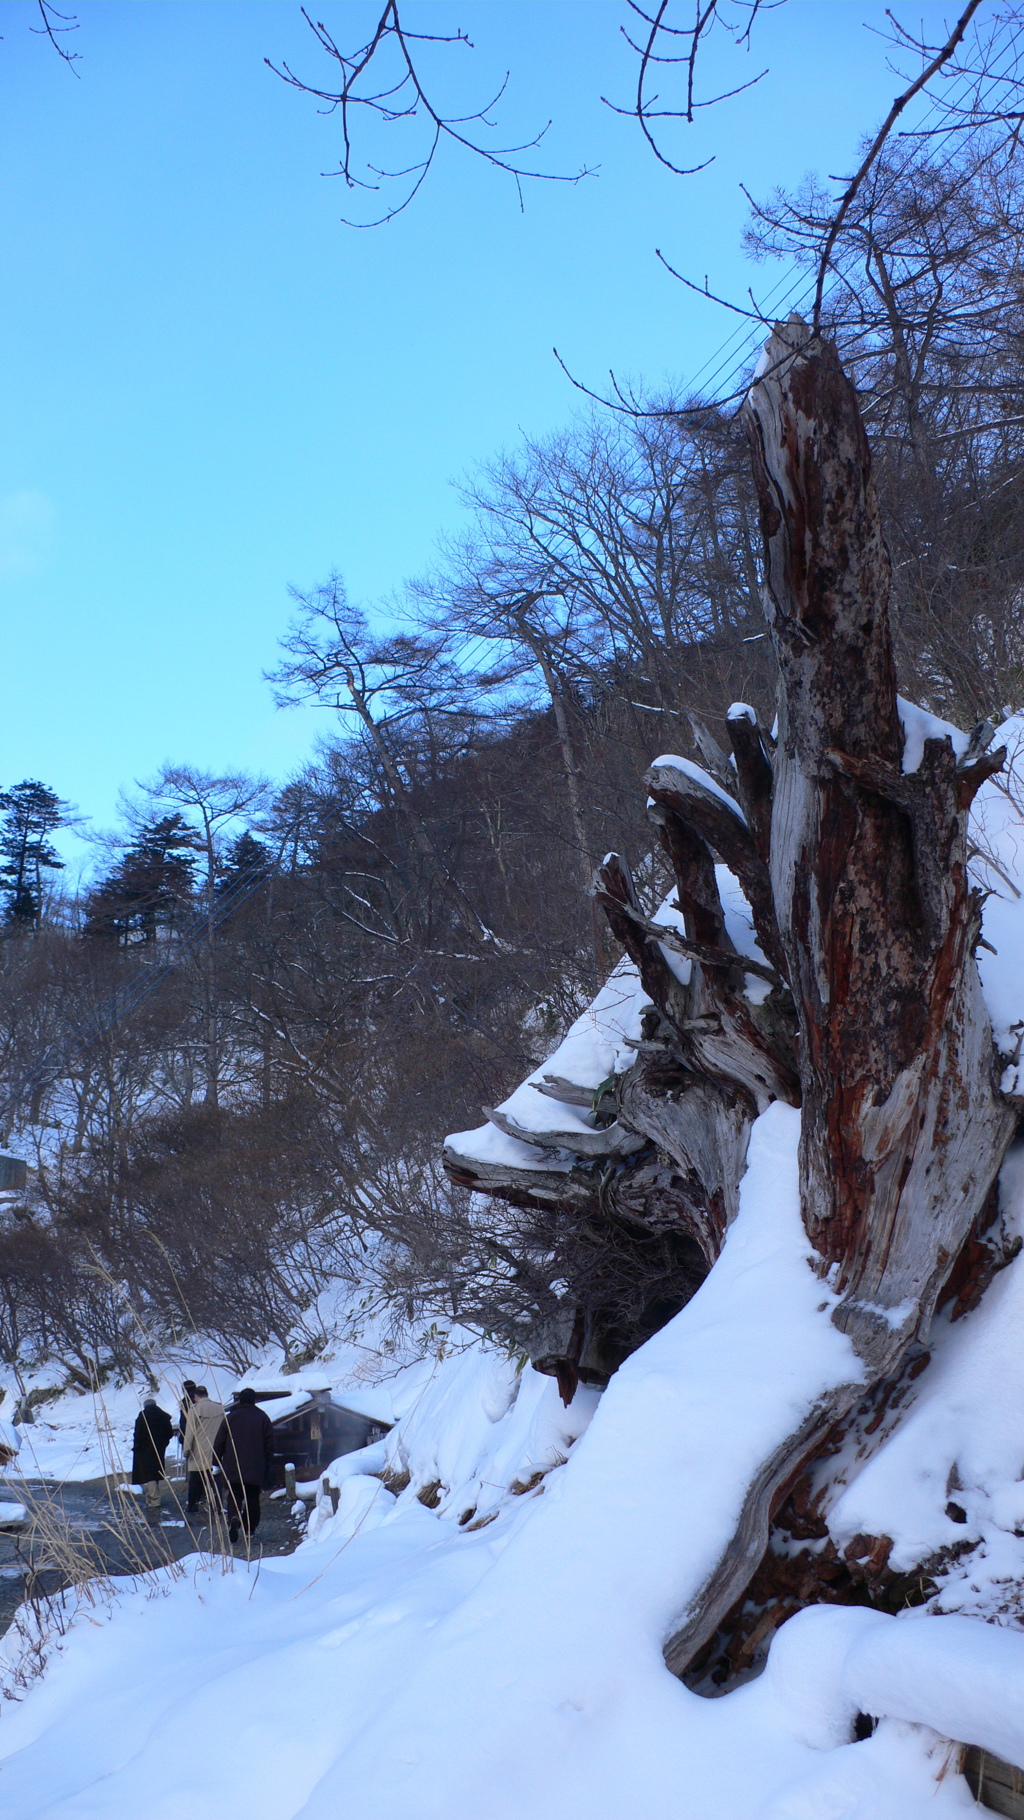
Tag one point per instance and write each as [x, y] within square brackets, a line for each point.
[755, 780]
[537, 1185]
[750, 1538]
[703, 951]
[725, 831]
[903, 1126]
[856, 874]
[723, 1059]
[997, 1785]
[603, 1141]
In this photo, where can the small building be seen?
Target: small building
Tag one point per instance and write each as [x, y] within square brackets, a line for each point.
[311, 1429]
[13, 1174]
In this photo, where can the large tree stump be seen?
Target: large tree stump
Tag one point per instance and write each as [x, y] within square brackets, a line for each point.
[903, 1126]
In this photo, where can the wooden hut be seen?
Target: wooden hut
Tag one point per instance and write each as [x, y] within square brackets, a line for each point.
[311, 1429]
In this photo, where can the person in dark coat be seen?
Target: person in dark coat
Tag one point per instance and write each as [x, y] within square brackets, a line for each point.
[244, 1448]
[189, 1392]
[153, 1430]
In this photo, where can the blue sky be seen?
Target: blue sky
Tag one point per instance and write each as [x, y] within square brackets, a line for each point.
[214, 389]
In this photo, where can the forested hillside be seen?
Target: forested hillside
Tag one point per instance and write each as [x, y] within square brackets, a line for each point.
[230, 1061]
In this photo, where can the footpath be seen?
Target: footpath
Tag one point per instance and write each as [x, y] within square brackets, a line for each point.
[95, 1527]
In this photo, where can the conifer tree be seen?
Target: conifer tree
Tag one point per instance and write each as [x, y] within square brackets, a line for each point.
[149, 884]
[30, 811]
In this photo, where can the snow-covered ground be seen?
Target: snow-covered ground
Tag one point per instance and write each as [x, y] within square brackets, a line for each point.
[321, 1686]
[500, 1653]
[478, 1628]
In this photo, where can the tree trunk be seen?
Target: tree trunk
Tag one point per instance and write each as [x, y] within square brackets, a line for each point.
[903, 1127]
[865, 1006]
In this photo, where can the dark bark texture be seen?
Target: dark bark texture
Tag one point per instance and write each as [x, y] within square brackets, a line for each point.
[903, 1126]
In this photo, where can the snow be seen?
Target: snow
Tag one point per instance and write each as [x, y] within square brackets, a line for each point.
[593, 1050]
[804, 1672]
[919, 725]
[294, 1392]
[12, 1513]
[77, 1437]
[597, 1048]
[739, 927]
[499, 1652]
[997, 830]
[404, 1664]
[262, 1697]
[959, 1677]
[596, 1045]
[741, 710]
[962, 1678]
[672, 761]
[669, 916]
[486, 1144]
[965, 1426]
[483, 1428]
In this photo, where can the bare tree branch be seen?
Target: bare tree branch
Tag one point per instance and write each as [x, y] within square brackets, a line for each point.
[644, 107]
[941, 58]
[399, 95]
[49, 29]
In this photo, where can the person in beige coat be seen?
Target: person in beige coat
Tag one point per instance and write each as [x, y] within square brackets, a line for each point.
[201, 1424]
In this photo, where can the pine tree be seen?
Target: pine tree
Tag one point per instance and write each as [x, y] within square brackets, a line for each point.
[31, 811]
[148, 885]
[246, 861]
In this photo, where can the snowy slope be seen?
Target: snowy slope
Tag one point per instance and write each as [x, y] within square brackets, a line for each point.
[500, 1653]
[406, 1666]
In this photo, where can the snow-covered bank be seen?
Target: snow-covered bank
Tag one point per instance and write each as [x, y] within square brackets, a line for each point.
[282, 1692]
[408, 1664]
[478, 1627]
[404, 1665]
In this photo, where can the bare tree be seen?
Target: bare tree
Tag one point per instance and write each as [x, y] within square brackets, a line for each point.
[380, 683]
[215, 806]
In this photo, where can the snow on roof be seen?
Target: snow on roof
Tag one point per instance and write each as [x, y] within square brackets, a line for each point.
[301, 1390]
[308, 1381]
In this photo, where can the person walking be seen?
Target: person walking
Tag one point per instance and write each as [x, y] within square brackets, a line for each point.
[189, 1392]
[202, 1424]
[244, 1448]
[153, 1430]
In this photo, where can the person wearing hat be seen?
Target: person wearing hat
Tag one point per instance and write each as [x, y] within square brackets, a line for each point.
[202, 1424]
[153, 1430]
[244, 1448]
[189, 1392]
